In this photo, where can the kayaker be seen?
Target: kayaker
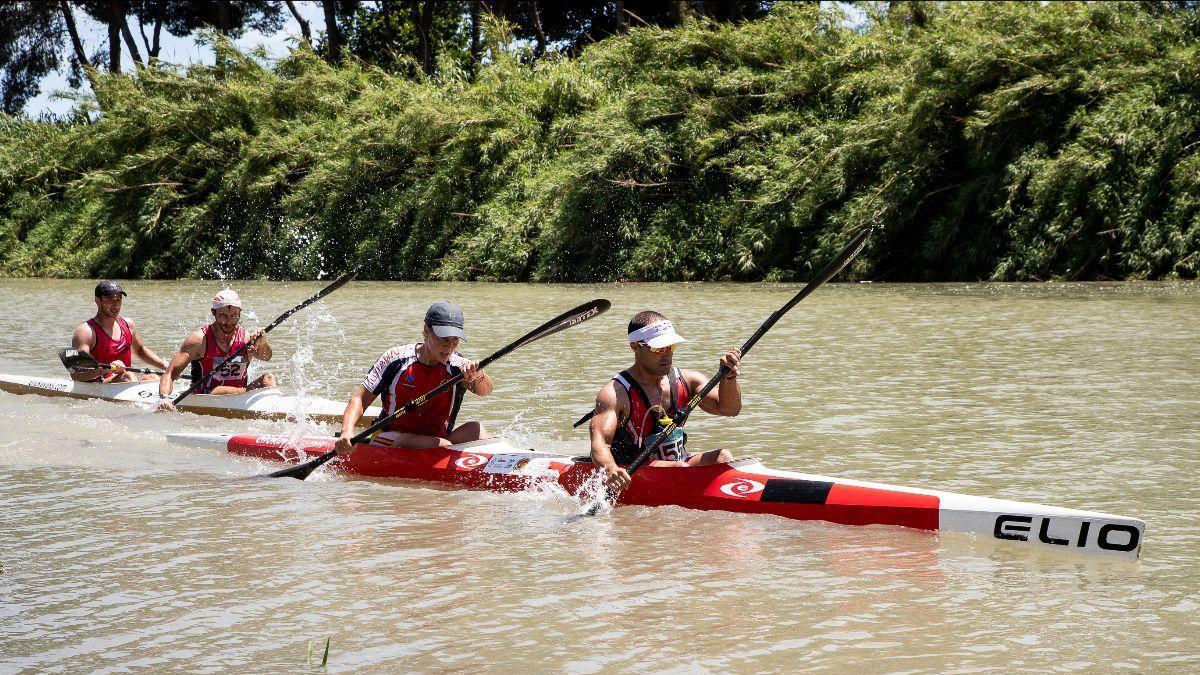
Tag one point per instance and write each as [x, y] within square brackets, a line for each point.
[638, 402]
[209, 347]
[405, 372]
[112, 339]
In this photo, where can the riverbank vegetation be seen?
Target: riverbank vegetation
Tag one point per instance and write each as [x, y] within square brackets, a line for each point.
[1006, 141]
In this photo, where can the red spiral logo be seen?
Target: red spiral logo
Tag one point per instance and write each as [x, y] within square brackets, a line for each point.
[742, 487]
[470, 461]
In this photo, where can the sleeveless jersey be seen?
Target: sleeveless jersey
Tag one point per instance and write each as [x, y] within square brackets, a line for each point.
[106, 349]
[229, 373]
[399, 377]
[636, 431]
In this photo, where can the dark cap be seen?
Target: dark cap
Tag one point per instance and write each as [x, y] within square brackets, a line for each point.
[106, 288]
[445, 319]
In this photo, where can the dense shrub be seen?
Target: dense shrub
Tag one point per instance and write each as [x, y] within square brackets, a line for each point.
[983, 141]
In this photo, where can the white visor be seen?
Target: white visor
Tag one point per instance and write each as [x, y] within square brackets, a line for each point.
[658, 334]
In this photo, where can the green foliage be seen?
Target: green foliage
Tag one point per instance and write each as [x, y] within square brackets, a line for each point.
[1005, 141]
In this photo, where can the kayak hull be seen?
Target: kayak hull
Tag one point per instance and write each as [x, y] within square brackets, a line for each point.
[268, 403]
[742, 486]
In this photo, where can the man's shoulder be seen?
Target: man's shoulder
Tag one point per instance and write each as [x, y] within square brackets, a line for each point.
[195, 336]
[694, 379]
[398, 352]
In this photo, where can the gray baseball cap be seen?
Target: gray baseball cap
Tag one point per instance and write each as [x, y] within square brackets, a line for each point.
[445, 319]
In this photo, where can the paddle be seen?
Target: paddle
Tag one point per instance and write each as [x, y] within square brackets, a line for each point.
[852, 249]
[574, 317]
[338, 283]
[78, 361]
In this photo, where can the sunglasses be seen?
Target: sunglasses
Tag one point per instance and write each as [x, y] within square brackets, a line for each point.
[658, 350]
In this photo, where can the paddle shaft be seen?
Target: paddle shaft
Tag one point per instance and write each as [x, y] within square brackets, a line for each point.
[338, 283]
[856, 244]
[81, 361]
[561, 322]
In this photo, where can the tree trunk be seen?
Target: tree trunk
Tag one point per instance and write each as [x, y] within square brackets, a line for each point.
[224, 17]
[333, 34]
[422, 14]
[76, 43]
[537, 27]
[304, 30]
[160, 12]
[125, 33]
[114, 36]
[622, 17]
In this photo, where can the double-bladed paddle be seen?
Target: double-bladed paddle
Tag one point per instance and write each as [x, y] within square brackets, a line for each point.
[852, 249]
[561, 322]
[78, 361]
[338, 283]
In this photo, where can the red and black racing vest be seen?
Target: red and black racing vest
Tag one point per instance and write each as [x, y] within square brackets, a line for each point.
[638, 425]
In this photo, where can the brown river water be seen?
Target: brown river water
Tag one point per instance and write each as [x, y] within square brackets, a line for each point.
[122, 552]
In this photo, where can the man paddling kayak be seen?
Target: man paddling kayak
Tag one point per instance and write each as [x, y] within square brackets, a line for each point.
[111, 339]
[209, 348]
[408, 371]
[638, 403]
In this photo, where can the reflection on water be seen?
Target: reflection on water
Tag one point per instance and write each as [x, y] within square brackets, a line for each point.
[123, 552]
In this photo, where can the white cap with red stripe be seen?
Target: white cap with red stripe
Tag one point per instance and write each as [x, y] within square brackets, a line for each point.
[227, 298]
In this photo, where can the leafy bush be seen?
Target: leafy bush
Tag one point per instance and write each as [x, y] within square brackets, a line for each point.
[1006, 141]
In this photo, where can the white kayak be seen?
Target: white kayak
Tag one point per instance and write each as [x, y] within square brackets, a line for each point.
[258, 403]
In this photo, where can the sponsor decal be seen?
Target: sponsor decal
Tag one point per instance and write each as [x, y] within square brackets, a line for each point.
[742, 488]
[1068, 532]
[522, 464]
[470, 462]
[50, 384]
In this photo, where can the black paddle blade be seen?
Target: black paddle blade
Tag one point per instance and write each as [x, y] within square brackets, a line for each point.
[75, 359]
[568, 319]
[301, 471]
[337, 283]
[583, 419]
[591, 511]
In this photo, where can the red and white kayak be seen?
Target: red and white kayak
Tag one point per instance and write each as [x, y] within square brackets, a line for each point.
[744, 486]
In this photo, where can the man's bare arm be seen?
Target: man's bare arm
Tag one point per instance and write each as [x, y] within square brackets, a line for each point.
[359, 401]
[192, 349]
[605, 419]
[141, 350]
[82, 339]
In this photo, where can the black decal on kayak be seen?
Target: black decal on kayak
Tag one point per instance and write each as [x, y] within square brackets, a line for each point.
[1044, 535]
[1007, 527]
[1083, 533]
[796, 491]
[1105, 530]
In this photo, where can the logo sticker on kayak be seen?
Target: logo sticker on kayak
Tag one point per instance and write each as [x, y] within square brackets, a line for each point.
[470, 462]
[742, 488]
[521, 464]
